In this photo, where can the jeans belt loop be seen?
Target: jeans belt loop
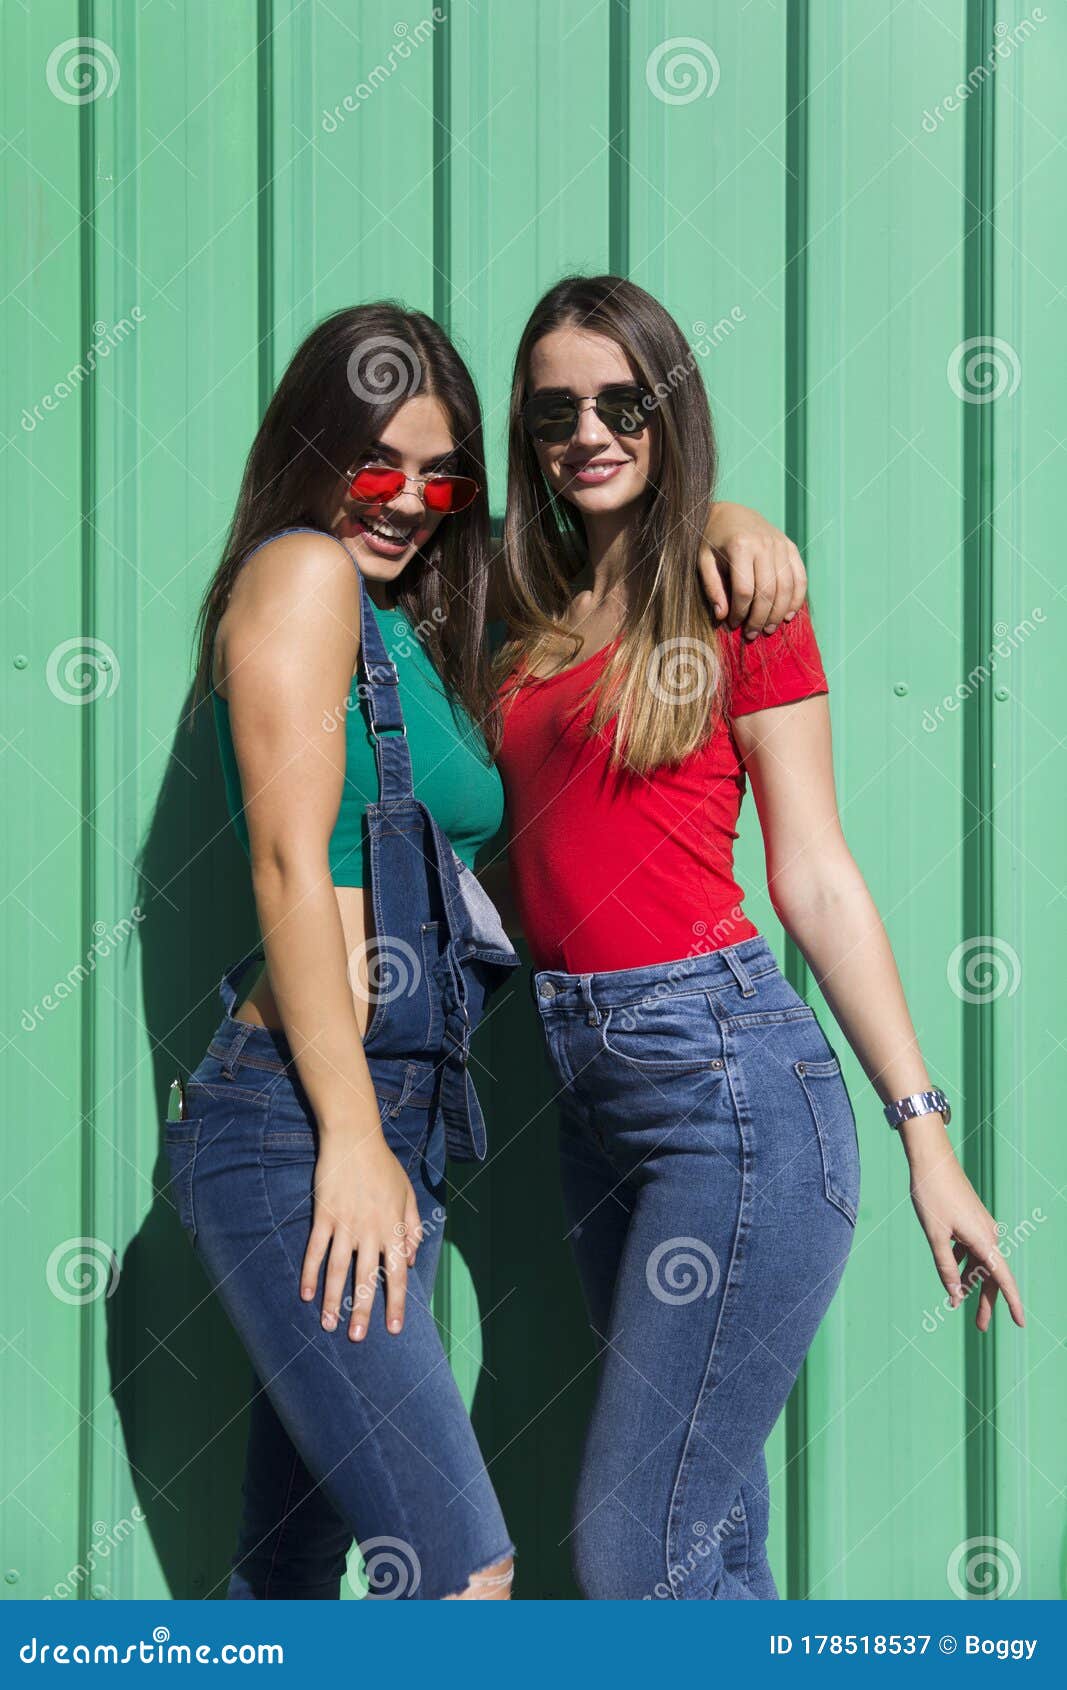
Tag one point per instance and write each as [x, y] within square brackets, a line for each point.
[233, 1055]
[739, 972]
[594, 1016]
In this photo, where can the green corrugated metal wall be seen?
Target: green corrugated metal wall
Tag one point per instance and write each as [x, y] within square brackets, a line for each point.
[821, 206]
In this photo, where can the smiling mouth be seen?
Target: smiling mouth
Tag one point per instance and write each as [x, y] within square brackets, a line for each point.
[600, 470]
[384, 535]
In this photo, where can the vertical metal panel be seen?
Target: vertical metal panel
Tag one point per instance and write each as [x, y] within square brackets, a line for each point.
[241, 171]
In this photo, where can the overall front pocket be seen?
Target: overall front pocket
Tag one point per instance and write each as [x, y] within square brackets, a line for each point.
[835, 1123]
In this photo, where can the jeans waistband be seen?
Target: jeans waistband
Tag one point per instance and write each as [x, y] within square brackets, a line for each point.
[739, 964]
[242, 1044]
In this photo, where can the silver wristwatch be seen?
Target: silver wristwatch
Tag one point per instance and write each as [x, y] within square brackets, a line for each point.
[919, 1103]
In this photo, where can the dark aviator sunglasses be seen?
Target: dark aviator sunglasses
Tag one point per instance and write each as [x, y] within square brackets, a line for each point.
[553, 417]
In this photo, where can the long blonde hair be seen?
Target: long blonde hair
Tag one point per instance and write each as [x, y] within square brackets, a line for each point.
[666, 683]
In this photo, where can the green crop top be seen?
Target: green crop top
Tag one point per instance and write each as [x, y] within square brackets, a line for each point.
[453, 775]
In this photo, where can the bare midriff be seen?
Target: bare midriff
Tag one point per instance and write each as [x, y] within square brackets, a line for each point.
[259, 1006]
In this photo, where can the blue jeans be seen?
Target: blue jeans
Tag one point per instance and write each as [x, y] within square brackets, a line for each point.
[367, 1441]
[711, 1180]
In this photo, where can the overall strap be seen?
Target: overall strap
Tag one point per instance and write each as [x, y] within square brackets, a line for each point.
[381, 690]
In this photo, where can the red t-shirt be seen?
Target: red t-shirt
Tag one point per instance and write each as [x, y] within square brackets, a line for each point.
[613, 869]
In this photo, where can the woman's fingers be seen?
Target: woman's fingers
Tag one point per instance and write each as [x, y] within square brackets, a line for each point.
[1003, 1279]
[945, 1263]
[413, 1226]
[712, 580]
[396, 1285]
[338, 1269]
[367, 1270]
[986, 1298]
[318, 1244]
[799, 578]
[987, 1268]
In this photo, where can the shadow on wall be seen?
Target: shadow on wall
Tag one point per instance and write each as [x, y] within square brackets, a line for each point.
[180, 1378]
[534, 1393]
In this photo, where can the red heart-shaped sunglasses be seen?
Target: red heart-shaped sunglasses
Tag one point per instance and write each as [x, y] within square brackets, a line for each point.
[376, 484]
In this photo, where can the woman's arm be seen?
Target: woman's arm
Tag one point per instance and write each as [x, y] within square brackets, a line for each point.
[287, 662]
[822, 901]
[751, 572]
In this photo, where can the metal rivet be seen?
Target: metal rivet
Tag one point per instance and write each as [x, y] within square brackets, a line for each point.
[21, 661]
[1000, 694]
[11, 1576]
[901, 689]
[717, 1062]
[800, 1067]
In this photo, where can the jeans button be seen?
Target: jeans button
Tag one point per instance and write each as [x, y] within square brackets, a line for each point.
[547, 989]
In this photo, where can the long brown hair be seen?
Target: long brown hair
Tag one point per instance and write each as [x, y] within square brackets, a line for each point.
[343, 385]
[666, 684]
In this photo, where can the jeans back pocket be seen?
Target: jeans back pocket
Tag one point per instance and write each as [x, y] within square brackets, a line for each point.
[180, 1141]
[831, 1108]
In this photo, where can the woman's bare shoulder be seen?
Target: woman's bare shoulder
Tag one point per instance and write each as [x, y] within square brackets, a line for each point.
[296, 592]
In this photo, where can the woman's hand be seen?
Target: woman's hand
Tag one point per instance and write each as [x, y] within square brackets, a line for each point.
[962, 1235]
[364, 1206]
[767, 579]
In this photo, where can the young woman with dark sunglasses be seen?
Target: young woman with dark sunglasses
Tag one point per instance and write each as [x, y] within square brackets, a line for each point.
[342, 646]
[708, 1145]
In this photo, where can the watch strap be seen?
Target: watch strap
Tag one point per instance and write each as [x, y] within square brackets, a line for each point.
[918, 1103]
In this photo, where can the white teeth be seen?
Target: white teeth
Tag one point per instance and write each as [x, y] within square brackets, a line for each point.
[385, 534]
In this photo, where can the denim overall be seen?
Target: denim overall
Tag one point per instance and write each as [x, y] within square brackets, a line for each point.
[367, 1441]
[439, 948]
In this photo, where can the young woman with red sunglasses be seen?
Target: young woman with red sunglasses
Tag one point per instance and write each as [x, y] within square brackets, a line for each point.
[307, 1156]
[708, 1146]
